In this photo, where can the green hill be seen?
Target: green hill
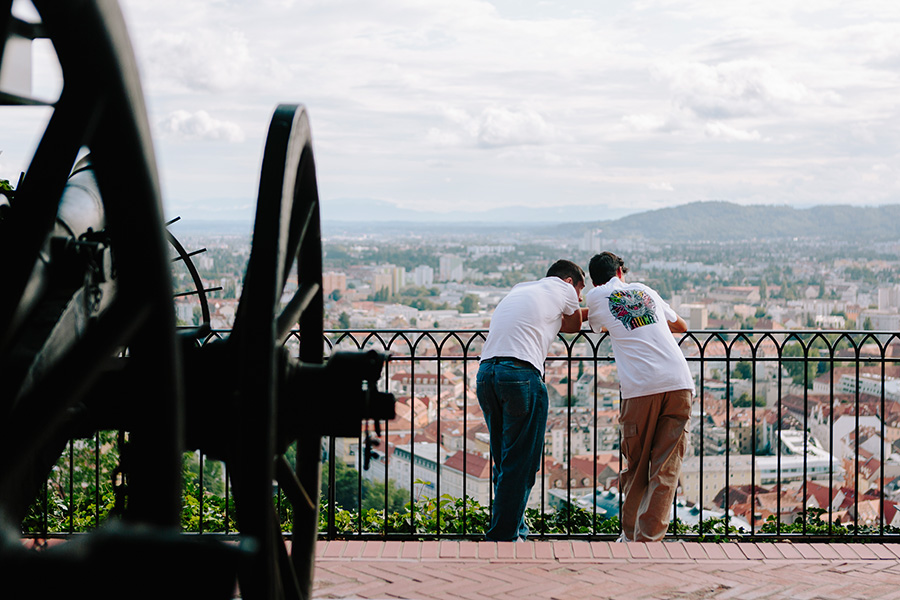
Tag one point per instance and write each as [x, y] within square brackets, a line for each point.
[723, 221]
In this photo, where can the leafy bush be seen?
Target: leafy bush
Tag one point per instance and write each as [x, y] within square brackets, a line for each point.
[73, 502]
[426, 516]
[79, 496]
[810, 522]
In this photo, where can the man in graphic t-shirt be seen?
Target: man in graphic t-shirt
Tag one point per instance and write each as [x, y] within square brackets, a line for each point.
[657, 390]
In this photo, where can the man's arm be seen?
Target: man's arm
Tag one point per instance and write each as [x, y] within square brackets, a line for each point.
[677, 326]
[572, 323]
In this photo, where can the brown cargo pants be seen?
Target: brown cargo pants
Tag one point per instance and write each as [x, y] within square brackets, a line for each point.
[654, 438]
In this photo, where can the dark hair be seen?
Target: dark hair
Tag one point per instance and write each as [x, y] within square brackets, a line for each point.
[566, 268]
[604, 266]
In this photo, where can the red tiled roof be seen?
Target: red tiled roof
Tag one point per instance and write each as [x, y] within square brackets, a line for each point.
[474, 465]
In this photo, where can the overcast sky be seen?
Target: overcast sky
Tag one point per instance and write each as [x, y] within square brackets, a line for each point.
[470, 104]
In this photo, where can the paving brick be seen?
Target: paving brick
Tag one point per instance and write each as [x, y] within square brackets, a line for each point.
[334, 549]
[581, 549]
[676, 550]
[845, 551]
[657, 550]
[637, 550]
[752, 551]
[618, 550]
[353, 548]
[695, 550]
[543, 551]
[505, 550]
[788, 551]
[524, 550]
[770, 551]
[562, 550]
[826, 551]
[372, 549]
[468, 549]
[864, 551]
[487, 550]
[430, 549]
[391, 549]
[881, 551]
[733, 551]
[807, 551]
[448, 549]
[411, 550]
[601, 550]
[715, 551]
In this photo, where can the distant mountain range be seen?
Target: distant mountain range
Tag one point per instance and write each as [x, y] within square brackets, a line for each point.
[346, 210]
[723, 221]
[714, 221]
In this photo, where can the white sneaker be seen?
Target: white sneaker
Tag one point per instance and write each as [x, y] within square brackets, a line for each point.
[622, 538]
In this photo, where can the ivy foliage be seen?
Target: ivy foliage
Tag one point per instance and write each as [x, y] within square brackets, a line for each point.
[811, 522]
[80, 495]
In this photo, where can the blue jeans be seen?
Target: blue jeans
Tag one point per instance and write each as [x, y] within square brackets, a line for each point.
[514, 401]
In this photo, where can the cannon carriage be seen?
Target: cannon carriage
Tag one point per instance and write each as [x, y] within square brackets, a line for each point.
[88, 340]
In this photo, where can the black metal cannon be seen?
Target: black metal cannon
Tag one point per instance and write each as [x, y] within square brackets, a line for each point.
[88, 341]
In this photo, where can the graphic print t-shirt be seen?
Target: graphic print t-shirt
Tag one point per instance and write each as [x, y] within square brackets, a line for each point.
[633, 308]
[648, 358]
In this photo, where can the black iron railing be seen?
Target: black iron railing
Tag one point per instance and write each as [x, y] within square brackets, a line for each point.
[792, 436]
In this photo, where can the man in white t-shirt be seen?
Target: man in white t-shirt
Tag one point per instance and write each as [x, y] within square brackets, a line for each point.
[511, 390]
[657, 390]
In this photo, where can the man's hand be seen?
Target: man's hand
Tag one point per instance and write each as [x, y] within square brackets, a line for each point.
[677, 326]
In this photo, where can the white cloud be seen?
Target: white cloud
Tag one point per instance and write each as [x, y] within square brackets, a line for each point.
[199, 125]
[537, 157]
[643, 123]
[512, 127]
[201, 60]
[721, 130]
[493, 127]
[672, 121]
[737, 88]
[442, 138]
[661, 186]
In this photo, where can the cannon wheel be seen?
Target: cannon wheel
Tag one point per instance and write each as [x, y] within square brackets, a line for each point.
[101, 108]
[183, 257]
[286, 231]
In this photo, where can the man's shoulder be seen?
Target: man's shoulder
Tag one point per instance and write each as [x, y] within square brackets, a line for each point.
[557, 285]
[596, 294]
[637, 285]
[545, 281]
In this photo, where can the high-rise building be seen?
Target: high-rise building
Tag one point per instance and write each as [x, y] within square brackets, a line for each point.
[451, 268]
[889, 297]
[423, 276]
[333, 281]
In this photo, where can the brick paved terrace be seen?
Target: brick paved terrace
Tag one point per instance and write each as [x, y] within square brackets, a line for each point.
[562, 570]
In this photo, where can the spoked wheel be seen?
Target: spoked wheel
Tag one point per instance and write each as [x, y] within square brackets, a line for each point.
[58, 371]
[286, 232]
[198, 291]
[75, 302]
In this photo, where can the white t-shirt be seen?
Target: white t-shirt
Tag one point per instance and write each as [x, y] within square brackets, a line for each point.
[528, 319]
[648, 358]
